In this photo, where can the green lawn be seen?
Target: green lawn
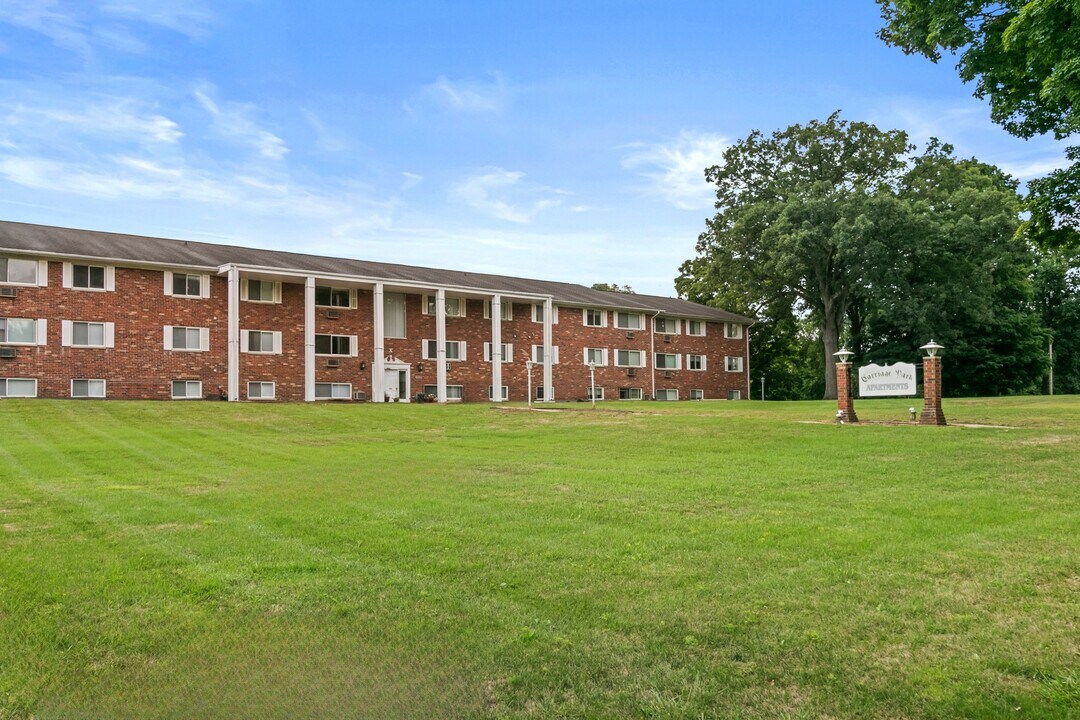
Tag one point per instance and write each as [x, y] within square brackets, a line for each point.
[648, 560]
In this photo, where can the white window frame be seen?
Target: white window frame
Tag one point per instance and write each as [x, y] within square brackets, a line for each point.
[505, 393]
[204, 338]
[275, 342]
[603, 356]
[41, 274]
[728, 331]
[734, 394]
[273, 390]
[538, 351]
[599, 391]
[700, 394]
[690, 325]
[627, 315]
[538, 313]
[506, 310]
[540, 392]
[4, 388]
[676, 321]
[738, 361]
[426, 345]
[352, 297]
[104, 388]
[585, 317]
[108, 273]
[333, 386]
[39, 329]
[690, 362]
[354, 349]
[658, 366]
[429, 305]
[641, 355]
[245, 284]
[67, 333]
[459, 389]
[170, 290]
[631, 390]
[666, 392]
[187, 386]
[404, 315]
[507, 352]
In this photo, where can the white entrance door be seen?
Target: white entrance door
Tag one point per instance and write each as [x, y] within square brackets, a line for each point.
[396, 383]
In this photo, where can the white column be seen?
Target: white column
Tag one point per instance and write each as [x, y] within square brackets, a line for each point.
[309, 339]
[440, 342]
[548, 317]
[378, 393]
[234, 334]
[496, 348]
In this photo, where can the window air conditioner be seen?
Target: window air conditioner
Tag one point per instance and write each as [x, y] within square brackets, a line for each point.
[629, 334]
[631, 372]
[7, 352]
[668, 374]
[333, 362]
[9, 292]
[333, 314]
[359, 395]
[667, 338]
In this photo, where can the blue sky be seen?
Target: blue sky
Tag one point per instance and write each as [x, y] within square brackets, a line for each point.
[560, 140]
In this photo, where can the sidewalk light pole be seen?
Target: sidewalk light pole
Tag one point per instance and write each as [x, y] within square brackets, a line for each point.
[528, 370]
[592, 383]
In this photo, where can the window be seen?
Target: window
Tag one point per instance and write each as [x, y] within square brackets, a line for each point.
[595, 318]
[599, 393]
[335, 345]
[668, 326]
[697, 394]
[186, 389]
[734, 394]
[733, 364]
[453, 392]
[538, 313]
[695, 362]
[629, 358]
[184, 284]
[191, 339]
[596, 355]
[87, 277]
[17, 331]
[667, 394]
[695, 327]
[87, 388]
[538, 354]
[507, 350]
[732, 331]
[455, 350]
[629, 393]
[260, 391]
[540, 392]
[335, 297]
[260, 341]
[87, 334]
[18, 387]
[394, 315]
[629, 321]
[333, 391]
[506, 310]
[18, 272]
[667, 361]
[266, 291]
[505, 393]
[455, 307]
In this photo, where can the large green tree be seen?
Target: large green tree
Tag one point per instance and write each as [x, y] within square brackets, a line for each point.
[1024, 56]
[1057, 299]
[800, 215]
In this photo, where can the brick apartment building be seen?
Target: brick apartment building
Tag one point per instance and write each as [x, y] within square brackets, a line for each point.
[93, 314]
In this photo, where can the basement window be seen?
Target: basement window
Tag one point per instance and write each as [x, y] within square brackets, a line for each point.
[629, 393]
[87, 388]
[333, 391]
[186, 389]
[667, 394]
[18, 387]
[260, 391]
[454, 393]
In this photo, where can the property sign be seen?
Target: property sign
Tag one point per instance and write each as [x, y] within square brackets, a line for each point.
[887, 380]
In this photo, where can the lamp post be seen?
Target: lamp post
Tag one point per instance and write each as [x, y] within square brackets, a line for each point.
[592, 383]
[845, 402]
[528, 371]
[931, 412]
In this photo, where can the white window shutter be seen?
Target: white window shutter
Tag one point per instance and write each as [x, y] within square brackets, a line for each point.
[65, 333]
[243, 289]
[354, 346]
[487, 352]
[554, 354]
[67, 281]
[204, 284]
[554, 314]
[110, 334]
[41, 328]
[277, 292]
[168, 282]
[461, 348]
[110, 278]
[43, 273]
[245, 346]
[352, 299]
[508, 354]
[168, 337]
[204, 339]
[277, 342]
[585, 351]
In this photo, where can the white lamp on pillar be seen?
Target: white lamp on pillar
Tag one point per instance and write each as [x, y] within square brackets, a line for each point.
[528, 371]
[931, 348]
[592, 383]
[844, 355]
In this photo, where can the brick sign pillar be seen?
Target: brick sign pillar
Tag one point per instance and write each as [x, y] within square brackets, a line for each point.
[931, 413]
[845, 396]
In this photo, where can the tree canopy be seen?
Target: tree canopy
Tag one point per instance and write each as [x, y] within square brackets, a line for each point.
[613, 287]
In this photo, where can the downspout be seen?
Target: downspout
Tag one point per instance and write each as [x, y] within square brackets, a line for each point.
[652, 352]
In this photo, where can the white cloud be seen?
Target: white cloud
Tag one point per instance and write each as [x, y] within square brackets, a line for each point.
[49, 18]
[411, 180]
[472, 96]
[191, 18]
[502, 194]
[233, 120]
[1034, 168]
[675, 169]
[124, 118]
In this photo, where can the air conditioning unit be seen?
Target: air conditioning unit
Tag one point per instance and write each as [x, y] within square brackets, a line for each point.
[9, 292]
[629, 334]
[667, 338]
[7, 352]
[359, 395]
[333, 362]
[333, 314]
[631, 372]
[668, 374]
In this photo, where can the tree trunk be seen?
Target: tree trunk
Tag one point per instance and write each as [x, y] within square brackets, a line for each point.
[830, 340]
